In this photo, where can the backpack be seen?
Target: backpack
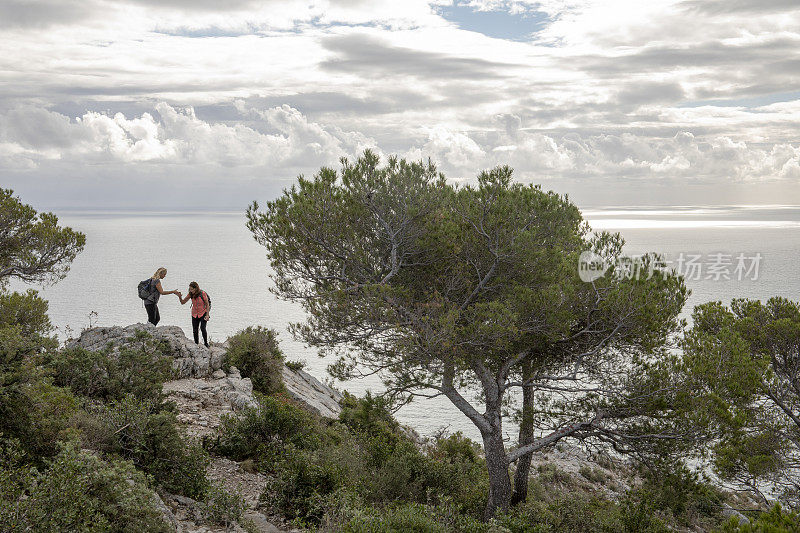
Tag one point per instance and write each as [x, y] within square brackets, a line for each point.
[208, 301]
[146, 289]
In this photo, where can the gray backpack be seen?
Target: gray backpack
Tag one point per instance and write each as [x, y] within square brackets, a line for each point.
[146, 289]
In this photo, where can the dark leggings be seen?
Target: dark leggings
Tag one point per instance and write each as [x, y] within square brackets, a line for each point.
[152, 313]
[202, 323]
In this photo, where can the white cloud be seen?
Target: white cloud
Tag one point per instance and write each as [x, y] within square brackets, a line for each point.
[694, 90]
[177, 136]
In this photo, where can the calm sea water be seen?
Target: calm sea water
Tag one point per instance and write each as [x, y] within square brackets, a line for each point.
[217, 251]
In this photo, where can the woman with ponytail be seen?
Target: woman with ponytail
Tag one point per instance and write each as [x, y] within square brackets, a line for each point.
[155, 292]
[201, 305]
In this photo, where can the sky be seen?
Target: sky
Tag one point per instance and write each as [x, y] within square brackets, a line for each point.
[208, 105]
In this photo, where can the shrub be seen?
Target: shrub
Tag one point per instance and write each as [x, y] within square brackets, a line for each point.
[296, 365]
[15, 478]
[348, 513]
[680, 495]
[594, 475]
[579, 513]
[263, 433]
[455, 448]
[302, 480]
[255, 352]
[409, 517]
[31, 409]
[139, 370]
[139, 430]
[49, 411]
[776, 520]
[27, 311]
[78, 492]
[369, 456]
[222, 507]
[26, 405]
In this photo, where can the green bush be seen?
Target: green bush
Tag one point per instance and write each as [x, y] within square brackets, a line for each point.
[346, 512]
[580, 513]
[27, 402]
[15, 478]
[302, 481]
[141, 431]
[263, 433]
[776, 520]
[402, 519]
[296, 365]
[140, 370]
[679, 495]
[222, 507]
[31, 409]
[47, 418]
[78, 492]
[255, 352]
[27, 311]
[368, 455]
[455, 448]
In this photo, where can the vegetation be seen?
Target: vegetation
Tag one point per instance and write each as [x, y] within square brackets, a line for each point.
[296, 365]
[745, 362]
[776, 520]
[450, 289]
[255, 352]
[33, 247]
[86, 437]
[76, 492]
[137, 369]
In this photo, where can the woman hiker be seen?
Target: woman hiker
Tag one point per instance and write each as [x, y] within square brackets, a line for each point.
[201, 306]
[151, 303]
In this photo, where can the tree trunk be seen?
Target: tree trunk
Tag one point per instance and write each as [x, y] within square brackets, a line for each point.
[499, 480]
[526, 434]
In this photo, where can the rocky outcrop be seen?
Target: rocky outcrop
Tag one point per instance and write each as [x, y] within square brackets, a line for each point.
[312, 393]
[203, 393]
[198, 370]
[202, 402]
[188, 359]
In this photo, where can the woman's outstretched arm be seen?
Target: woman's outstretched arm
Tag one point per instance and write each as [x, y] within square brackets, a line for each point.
[162, 291]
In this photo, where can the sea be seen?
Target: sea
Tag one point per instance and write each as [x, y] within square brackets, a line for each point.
[725, 252]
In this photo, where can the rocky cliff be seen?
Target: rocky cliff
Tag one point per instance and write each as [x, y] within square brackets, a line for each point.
[203, 392]
[199, 368]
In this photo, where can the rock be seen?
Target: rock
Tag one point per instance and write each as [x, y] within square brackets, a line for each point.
[312, 393]
[165, 511]
[193, 361]
[728, 512]
[201, 402]
[188, 359]
[260, 522]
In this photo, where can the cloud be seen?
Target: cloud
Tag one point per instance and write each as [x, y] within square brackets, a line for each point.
[172, 136]
[365, 54]
[678, 91]
[714, 159]
[44, 13]
[738, 6]
[642, 92]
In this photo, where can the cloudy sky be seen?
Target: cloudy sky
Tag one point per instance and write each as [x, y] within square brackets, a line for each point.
[207, 104]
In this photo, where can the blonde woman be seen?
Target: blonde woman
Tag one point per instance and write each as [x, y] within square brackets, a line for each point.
[201, 305]
[155, 292]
